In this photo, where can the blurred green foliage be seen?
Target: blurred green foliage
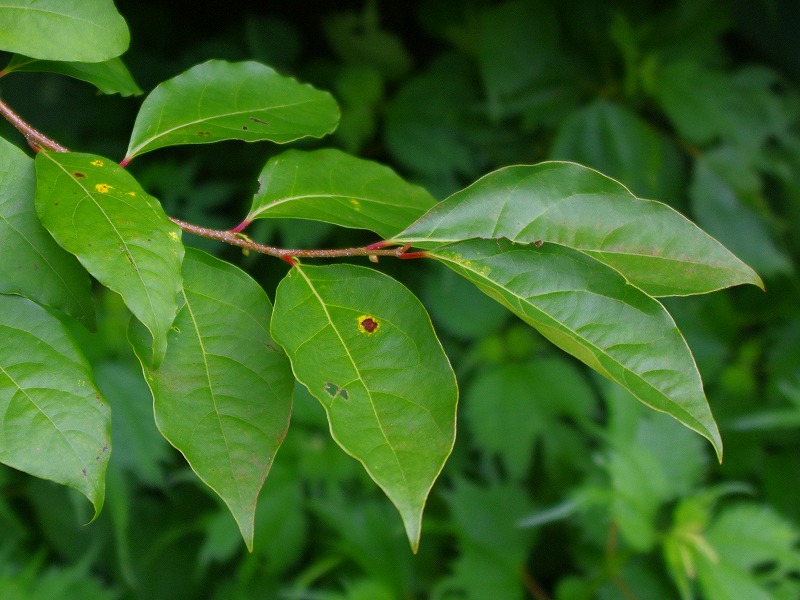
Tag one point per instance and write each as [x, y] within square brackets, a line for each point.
[559, 487]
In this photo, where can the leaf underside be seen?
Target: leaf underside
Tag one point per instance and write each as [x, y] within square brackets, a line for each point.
[590, 311]
[54, 423]
[223, 394]
[33, 264]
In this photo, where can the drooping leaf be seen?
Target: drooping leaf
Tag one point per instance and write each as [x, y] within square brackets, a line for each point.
[591, 312]
[652, 245]
[33, 265]
[110, 76]
[223, 394]
[68, 30]
[54, 423]
[98, 212]
[218, 100]
[329, 185]
[364, 347]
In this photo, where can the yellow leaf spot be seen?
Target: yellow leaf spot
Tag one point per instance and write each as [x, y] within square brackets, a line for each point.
[368, 324]
[354, 202]
[174, 236]
[103, 188]
[131, 193]
[97, 163]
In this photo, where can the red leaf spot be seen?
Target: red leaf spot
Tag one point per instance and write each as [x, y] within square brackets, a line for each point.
[368, 324]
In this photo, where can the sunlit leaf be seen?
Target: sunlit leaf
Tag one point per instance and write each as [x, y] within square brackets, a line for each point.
[33, 265]
[68, 30]
[98, 212]
[54, 423]
[591, 312]
[218, 100]
[223, 394]
[329, 185]
[110, 76]
[364, 347]
[652, 245]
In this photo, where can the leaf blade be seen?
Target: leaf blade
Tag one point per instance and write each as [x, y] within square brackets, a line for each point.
[331, 186]
[655, 247]
[591, 312]
[68, 30]
[218, 100]
[54, 423]
[400, 427]
[110, 76]
[33, 265]
[98, 212]
[223, 394]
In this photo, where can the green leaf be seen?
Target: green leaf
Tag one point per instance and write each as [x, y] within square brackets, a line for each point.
[514, 44]
[98, 212]
[33, 265]
[364, 347]
[493, 547]
[719, 204]
[110, 76]
[223, 394]
[653, 246]
[423, 132]
[751, 552]
[329, 185]
[705, 105]
[616, 141]
[591, 312]
[54, 423]
[218, 100]
[67, 30]
[510, 407]
[139, 447]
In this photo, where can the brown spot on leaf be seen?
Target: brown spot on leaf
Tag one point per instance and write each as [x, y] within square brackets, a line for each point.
[204, 133]
[257, 120]
[368, 324]
[334, 390]
[538, 243]
[79, 175]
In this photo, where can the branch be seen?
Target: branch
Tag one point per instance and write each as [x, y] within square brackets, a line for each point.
[38, 140]
[35, 138]
[289, 254]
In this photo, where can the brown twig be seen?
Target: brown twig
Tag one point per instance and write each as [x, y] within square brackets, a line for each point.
[35, 138]
[38, 140]
[237, 239]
